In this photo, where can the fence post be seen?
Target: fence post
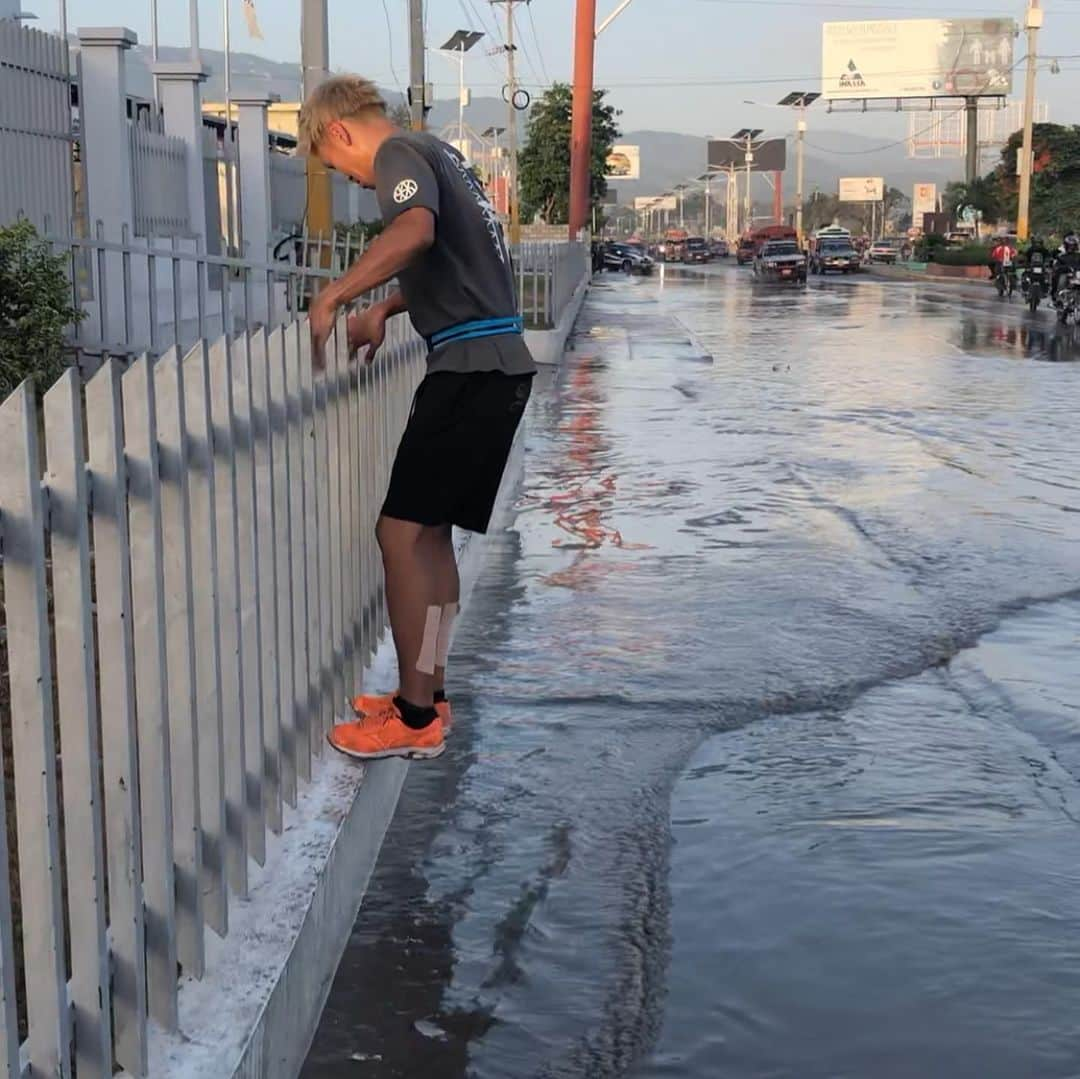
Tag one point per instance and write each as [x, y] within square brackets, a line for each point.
[106, 144]
[181, 99]
[254, 161]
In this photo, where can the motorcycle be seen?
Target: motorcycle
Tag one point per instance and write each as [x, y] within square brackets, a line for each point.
[1005, 281]
[1033, 285]
[1067, 300]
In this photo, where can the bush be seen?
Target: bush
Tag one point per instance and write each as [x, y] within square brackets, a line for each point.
[927, 249]
[35, 308]
[970, 255]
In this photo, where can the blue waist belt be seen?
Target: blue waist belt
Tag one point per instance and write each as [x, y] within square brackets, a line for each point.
[484, 327]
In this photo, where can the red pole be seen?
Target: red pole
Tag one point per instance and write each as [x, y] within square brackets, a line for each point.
[778, 197]
[581, 122]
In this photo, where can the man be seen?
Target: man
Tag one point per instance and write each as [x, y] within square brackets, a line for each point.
[444, 244]
[1067, 262]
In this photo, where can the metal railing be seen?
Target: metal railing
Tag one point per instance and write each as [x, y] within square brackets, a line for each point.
[36, 136]
[548, 274]
[191, 587]
[156, 294]
[159, 183]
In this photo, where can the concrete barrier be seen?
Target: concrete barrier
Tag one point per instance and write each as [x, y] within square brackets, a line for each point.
[547, 346]
[255, 1013]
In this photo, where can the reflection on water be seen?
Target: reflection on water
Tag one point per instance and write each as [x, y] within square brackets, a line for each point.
[735, 611]
[1037, 339]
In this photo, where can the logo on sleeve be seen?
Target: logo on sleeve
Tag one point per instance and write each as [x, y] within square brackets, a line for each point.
[405, 191]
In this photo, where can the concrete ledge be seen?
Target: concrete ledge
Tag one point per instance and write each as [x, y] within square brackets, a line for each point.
[547, 346]
[254, 1014]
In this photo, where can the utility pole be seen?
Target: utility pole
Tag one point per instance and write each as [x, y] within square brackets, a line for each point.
[1033, 24]
[971, 114]
[581, 123]
[417, 86]
[511, 94]
[315, 60]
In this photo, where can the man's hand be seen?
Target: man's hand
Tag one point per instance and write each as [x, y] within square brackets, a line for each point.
[368, 328]
[321, 316]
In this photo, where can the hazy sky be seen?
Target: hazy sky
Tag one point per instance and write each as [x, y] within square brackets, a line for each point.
[682, 65]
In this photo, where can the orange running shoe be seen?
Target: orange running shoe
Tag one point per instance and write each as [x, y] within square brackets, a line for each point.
[368, 703]
[382, 733]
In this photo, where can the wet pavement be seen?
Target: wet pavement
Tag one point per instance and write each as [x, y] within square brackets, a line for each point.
[767, 754]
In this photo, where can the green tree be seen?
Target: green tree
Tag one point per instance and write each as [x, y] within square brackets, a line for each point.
[544, 161]
[1055, 183]
[983, 194]
[35, 308]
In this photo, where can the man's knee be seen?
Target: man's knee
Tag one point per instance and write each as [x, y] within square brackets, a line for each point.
[397, 537]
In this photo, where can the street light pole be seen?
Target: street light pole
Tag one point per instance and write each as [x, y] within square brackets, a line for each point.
[800, 141]
[749, 167]
[1033, 24]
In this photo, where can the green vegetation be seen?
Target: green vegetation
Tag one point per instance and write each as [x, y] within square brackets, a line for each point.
[969, 255]
[35, 308]
[1055, 186]
[544, 161]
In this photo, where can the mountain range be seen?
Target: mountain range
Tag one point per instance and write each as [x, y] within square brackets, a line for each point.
[667, 157]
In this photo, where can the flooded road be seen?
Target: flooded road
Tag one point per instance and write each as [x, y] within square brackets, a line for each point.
[767, 746]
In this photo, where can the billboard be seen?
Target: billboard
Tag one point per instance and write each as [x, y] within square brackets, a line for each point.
[624, 163]
[770, 155]
[923, 201]
[893, 58]
[862, 189]
[655, 202]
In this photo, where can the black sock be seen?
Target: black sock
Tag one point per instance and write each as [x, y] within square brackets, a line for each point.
[413, 715]
[440, 696]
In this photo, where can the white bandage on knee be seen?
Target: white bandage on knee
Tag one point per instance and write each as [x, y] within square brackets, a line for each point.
[425, 662]
[446, 634]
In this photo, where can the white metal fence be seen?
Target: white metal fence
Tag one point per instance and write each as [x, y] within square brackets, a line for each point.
[159, 183]
[152, 295]
[191, 588]
[35, 126]
[288, 192]
[548, 275]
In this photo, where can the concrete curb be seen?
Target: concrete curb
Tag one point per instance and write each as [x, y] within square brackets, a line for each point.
[254, 1014]
[547, 346]
[899, 273]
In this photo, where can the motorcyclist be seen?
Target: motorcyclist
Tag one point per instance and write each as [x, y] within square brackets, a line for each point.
[1002, 258]
[1067, 262]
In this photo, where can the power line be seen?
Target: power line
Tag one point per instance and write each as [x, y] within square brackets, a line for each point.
[390, 48]
[525, 48]
[536, 38]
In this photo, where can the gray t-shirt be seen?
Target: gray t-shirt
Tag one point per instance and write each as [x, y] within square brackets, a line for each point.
[466, 275]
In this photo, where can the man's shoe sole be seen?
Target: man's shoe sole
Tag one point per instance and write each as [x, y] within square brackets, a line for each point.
[416, 754]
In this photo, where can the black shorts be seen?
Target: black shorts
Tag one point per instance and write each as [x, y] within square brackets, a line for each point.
[452, 455]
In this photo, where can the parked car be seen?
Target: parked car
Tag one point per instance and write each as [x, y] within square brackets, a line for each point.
[696, 250]
[628, 258]
[780, 260]
[887, 251]
[719, 249]
[834, 257]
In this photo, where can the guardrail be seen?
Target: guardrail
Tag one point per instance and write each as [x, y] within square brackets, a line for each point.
[547, 276]
[191, 587]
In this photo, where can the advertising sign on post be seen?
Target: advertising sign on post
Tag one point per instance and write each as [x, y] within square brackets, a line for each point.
[655, 202]
[923, 201]
[896, 58]
[624, 163]
[862, 189]
[770, 155]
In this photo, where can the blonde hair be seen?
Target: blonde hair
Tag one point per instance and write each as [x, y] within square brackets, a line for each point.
[344, 97]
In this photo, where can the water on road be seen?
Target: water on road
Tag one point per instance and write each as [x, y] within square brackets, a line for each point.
[767, 755]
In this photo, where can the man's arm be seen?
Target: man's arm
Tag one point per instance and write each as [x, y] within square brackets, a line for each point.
[407, 237]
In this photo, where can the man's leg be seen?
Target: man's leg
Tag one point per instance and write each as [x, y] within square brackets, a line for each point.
[439, 548]
[411, 595]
